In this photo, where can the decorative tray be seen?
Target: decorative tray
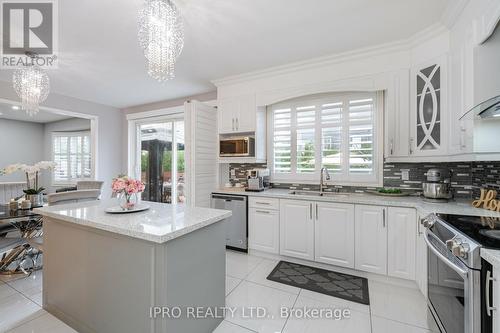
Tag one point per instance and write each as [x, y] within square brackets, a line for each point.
[119, 210]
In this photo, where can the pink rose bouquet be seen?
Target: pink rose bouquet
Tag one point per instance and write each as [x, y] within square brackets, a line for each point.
[127, 188]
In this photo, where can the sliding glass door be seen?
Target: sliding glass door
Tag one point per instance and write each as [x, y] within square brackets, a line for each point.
[160, 160]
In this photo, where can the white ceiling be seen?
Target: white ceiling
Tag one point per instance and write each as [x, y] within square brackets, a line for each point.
[42, 117]
[100, 59]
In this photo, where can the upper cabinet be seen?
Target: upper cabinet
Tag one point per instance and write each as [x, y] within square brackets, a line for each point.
[237, 114]
[241, 115]
[428, 109]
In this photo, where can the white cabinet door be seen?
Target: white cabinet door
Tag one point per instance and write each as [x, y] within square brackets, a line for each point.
[397, 116]
[237, 114]
[247, 114]
[227, 113]
[429, 109]
[297, 229]
[370, 239]
[263, 230]
[401, 244]
[421, 259]
[334, 234]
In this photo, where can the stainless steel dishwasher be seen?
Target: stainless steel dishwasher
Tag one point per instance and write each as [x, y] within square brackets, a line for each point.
[237, 226]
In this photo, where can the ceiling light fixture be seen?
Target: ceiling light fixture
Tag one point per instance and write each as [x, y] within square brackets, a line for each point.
[32, 85]
[15, 107]
[161, 36]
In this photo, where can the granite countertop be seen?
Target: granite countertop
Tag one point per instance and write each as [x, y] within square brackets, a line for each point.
[460, 207]
[159, 224]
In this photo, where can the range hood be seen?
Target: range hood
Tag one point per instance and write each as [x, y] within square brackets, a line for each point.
[487, 109]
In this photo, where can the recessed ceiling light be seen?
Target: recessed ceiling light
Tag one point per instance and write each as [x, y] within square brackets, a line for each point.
[15, 107]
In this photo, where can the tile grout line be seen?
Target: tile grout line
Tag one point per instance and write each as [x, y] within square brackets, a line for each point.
[241, 280]
[401, 322]
[30, 320]
[293, 306]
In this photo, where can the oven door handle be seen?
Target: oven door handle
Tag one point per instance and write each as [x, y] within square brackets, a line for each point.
[460, 271]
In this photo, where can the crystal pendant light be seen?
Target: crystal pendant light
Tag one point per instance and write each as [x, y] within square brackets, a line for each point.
[161, 36]
[32, 85]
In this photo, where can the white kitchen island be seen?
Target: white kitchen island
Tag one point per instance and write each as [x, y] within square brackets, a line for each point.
[105, 273]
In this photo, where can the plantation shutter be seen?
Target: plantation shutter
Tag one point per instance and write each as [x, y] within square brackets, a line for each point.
[336, 131]
[282, 140]
[361, 135]
[71, 153]
[305, 142]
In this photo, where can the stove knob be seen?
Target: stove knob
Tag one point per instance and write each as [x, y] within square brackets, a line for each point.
[428, 223]
[451, 243]
[460, 250]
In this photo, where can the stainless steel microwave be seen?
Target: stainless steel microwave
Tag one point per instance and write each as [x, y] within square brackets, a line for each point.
[243, 146]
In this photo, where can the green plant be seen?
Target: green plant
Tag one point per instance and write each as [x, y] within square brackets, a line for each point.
[390, 190]
[33, 191]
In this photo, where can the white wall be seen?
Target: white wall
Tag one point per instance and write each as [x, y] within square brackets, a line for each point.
[20, 142]
[110, 136]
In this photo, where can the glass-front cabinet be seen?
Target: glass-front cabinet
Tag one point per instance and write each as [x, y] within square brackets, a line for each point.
[428, 109]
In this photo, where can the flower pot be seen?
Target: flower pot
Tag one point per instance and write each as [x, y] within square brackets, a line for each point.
[36, 199]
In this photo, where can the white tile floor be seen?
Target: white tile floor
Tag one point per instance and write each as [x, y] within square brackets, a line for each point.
[393, 309]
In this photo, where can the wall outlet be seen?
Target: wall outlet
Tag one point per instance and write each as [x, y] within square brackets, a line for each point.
[405, 174]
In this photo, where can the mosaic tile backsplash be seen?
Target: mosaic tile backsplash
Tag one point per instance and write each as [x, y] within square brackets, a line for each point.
[467, 177]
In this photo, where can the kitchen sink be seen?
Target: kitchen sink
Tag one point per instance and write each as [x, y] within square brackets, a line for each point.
[317, 193]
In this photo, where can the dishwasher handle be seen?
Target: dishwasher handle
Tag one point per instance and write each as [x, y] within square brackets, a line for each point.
[229, 197]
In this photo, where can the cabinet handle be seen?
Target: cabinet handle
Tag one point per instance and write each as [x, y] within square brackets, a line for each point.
[311, 211]
[262, 203]
[233, 124]
[317, 214]
[383, 217]
[263, 211]
[237, 124]
[392, 147]
[489, 281]
[410, 146]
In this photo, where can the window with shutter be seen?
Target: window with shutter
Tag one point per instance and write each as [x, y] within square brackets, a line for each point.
[336, 131]
[72, 155]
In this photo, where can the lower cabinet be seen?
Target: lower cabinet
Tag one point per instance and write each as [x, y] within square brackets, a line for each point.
[370, 239]
[264, 230]
[421, 259]
[297, 229]
[385, 239]
[376, 239]
[401, 242]
[334, 234]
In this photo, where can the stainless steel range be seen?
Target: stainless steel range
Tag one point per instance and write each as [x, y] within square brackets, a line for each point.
[459, 281]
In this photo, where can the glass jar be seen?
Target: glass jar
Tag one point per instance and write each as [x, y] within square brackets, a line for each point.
[128, 201]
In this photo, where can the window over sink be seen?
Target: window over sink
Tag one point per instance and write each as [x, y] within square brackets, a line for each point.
[339, 131]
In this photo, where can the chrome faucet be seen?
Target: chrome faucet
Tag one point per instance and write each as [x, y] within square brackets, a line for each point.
[322, 179]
